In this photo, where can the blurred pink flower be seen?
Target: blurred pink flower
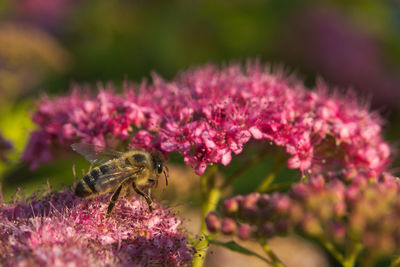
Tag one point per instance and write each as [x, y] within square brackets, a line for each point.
[324, 41]
[208, 115]
[60, 230]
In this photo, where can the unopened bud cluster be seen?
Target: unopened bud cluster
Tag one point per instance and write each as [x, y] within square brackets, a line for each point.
[254, 215]
[342, 208]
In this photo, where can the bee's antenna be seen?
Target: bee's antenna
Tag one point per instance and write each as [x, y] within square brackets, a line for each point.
[166, 172]
[48, 184]
[74, 171]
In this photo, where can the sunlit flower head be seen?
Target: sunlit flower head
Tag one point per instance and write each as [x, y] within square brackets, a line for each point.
[61, 229]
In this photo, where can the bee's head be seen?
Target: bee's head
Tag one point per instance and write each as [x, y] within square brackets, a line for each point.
[158, 165]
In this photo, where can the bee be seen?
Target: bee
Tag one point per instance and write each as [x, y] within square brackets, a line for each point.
[119, 171]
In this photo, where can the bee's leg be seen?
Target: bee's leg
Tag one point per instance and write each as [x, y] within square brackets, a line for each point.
[113, 199]
[90, 167]
[146, 197]
[166, 173]
[128, 191]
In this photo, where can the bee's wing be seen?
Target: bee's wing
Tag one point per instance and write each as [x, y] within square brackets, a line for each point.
[95, 154]
[113, 179]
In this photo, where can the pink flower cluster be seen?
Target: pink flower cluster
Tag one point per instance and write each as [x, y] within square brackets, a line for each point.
[341, 208]
[61, 230]
[209, 114]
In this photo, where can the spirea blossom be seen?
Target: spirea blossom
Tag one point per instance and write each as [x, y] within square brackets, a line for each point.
[209, 114]
[325, 207]
[63, 230]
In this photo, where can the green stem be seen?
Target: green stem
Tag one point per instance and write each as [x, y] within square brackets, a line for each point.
[351, 258]
[278, 164]
[263, 187]
[210, 197]
[370, 258]
[233, 246]
[331, 249]
[395, 262]
[210, 205]
[347, 260]
[284, 186]
[275, 260]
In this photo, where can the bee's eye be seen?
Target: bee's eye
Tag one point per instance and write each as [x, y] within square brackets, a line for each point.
[159, 168]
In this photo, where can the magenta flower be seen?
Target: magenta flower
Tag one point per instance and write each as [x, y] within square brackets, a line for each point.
[60, 230]
[208, 115]
[326, 208]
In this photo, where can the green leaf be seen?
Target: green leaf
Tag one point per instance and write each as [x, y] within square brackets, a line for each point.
[232, 245]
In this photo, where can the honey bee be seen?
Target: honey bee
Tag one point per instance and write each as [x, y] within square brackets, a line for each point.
[119, 171]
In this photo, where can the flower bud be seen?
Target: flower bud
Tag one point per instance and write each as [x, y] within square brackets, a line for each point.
[338, 231]
[268, 230]
[317, 182]
[349, 174]
[299, 191]
[339, 208]
[265, 214]
[228, 226]
[244, 231]
[249, 206]
[213, 222]
[250, 201]
[263, 201]
[282, 226]
[230, 206]
[281, 204]
[311, 225]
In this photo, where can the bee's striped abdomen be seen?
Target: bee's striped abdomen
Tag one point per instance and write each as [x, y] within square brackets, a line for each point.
[86, 186]
[91, 178]
[82, 189]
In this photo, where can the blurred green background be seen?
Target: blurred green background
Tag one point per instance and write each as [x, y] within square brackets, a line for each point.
[45, 46]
